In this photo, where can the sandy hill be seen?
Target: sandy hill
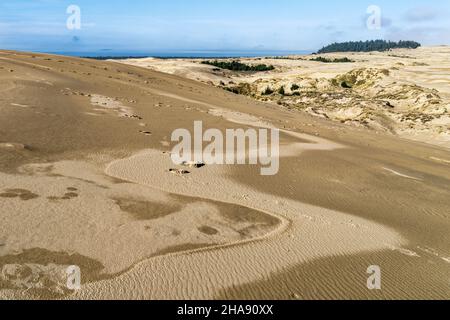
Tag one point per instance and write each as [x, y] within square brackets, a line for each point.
[86, 179]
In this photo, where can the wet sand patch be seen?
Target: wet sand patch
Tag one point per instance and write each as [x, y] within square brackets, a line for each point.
[23, 194]
[247, 222]
[147, 210]
[42, 273]
[69, 195]
[237, 213]
[208, 230]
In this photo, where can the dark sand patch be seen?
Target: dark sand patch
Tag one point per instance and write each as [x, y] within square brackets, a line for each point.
[70, 195]
[66, 196]
[179, 171]
[42, 285]
[237, 213]
[196, 165]
[28, 196]
[147, 133]
[23, 194]
[208, 230]
[8, 195]
[146, 210]
[235, 216]
[91, 268]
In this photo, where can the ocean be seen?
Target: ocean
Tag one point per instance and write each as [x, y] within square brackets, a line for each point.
[180, 54]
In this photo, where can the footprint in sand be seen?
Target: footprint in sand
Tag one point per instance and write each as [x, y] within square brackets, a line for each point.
[191, 164]
[133, 116]
[147, 133]
[71, 194]
[23, 194]
[179, 171]
[210, 231]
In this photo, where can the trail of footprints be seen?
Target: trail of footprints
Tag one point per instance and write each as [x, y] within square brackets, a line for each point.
[69, 92]
[192, 165]
[70, 194]
[179, 172]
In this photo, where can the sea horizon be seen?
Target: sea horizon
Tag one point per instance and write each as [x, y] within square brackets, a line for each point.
[191, 54]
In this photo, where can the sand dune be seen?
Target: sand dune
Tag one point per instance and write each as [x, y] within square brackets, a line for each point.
[86, 179]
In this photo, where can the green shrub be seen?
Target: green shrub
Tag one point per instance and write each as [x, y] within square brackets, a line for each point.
[337, 60]
[238, 66]
[267, 92]
[241, 88]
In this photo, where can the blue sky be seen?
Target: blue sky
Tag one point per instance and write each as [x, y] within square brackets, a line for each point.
[202, 25]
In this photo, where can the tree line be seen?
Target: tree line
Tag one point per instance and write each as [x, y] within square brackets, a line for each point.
[367, 46]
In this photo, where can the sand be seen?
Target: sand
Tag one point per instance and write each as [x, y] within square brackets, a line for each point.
[86, 179]
[402, 92]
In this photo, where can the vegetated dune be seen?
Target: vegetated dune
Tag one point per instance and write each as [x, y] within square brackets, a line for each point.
[86, 179]
[404, 92]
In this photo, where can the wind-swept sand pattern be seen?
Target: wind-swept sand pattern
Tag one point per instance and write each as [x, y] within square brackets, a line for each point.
[241, 262]
[86, 179]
